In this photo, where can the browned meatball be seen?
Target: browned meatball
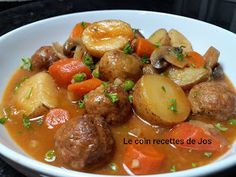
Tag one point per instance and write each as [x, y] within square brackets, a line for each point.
[116, 64]
[43, 58]
[98, 102]
[84, 142]
[214, 99]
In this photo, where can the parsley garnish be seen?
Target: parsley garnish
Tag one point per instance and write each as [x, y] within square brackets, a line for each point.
[26, 64]
[145, 60]
[3, 120]
[105, 84]
[84, 24]
[40, 121]
[220, 127]
[18, 85]
[173, 168]
[29, 93]
[50, 156]
[178, 51]
[128, 49]
[194, 164]
[95, 74]
[173, 106]
[232, 121]
[26, 121]
[81, 104]
[79, 77]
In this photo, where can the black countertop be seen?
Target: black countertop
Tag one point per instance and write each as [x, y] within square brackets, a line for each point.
[26, 12]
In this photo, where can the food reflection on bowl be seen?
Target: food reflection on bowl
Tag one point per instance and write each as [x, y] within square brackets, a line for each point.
[107, 100]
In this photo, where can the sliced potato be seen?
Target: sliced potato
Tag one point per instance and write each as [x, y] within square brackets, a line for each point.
[211, 57]
[187, 77]
[159, 100]
[106, 35]
[160, 36]
[36, 94]
[177, 39]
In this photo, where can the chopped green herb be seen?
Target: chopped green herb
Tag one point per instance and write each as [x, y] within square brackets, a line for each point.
[3, 120]
[29, 93]
[208, 154]
[178, 53]
[145, 60]
[85, 97]
[232, 121]
[50, 156]
[173, 106]
[84, 24]
[158, 44]
[79, 77]
[130, 98]
[163, 88]
[194, 164]
[105, 84]
[40, 121]
[220, 127]
[95, 73]
[128, 85]
[26, 64]
[18, 85]
[173, 168]
[88, 61]
[128, 49]
[112, 96]
[26, 122]
[113, 166]
[81, 104]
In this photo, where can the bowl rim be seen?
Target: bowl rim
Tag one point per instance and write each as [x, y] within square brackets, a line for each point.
[47, 169]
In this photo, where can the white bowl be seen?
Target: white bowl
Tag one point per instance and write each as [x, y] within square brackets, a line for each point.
[25, 40]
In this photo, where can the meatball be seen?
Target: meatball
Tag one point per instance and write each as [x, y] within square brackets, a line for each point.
[98, 102]
[84, 142]
[43, 58]
[116, 64]
[214, 99]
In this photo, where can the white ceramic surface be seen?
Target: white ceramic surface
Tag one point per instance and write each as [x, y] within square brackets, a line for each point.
[25, 40]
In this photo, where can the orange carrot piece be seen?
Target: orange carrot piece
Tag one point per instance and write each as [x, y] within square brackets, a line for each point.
[78, 29]
[144, 47]
[63, 71]
[143, 159]
[186, 130]
[56, 117]
[81, 88]
[195, 59]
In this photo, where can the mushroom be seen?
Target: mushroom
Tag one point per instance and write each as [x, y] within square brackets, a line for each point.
[161, 57]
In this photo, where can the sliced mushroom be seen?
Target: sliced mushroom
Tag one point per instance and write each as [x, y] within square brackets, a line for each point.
[69, 47]
[164, 55]
[218, 73]
[211, 57]
[80, 50]
[58, 48]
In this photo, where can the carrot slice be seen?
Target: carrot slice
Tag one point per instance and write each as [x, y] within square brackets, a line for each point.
[144, 47]
[195, 59]
[141, 159]
[78, 29]
[63, 70]
[81, 88]
[186, 131]
[56, 117]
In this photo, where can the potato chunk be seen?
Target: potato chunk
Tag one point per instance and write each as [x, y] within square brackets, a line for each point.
[160, 36]
[188, 77]
[177, 40]
[37, 94]
[159, 100]
[106, 35]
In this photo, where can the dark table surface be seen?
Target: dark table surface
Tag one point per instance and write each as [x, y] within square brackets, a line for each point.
[16, 14]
